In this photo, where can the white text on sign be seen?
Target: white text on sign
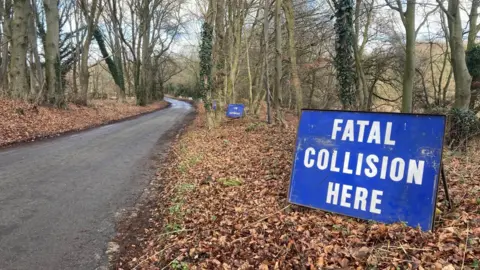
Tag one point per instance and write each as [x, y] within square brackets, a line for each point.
[387, 168]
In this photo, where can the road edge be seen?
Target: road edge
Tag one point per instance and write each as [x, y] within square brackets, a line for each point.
[125, 217]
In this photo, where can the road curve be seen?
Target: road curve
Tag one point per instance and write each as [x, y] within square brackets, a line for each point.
[58, 198]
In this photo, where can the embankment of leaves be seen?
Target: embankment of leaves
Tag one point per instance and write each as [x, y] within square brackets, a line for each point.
[219, 202]
[22, 122]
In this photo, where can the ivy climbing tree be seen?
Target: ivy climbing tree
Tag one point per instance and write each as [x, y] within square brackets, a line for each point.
[205, 83]
[116, 71]
[473, 65]
[344, 59]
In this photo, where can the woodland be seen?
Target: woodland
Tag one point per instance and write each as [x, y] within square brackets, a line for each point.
[72, 64]
[216, 203]
[369, 55]
[51, 50]
[219, 200]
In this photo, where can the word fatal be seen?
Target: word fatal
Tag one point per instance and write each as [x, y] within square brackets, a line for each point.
[385, 168]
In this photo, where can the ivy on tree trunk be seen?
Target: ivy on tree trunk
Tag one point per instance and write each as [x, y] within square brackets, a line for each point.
[344, 60]
[205, 84]
[116, 72]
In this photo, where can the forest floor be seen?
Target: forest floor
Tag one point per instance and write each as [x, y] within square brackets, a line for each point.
[21, 121]
[220, 202]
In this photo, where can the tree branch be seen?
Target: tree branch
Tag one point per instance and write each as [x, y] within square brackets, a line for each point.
[392, 7]
[425, 20]
[399, 9]
[442, 7]
[386, 99]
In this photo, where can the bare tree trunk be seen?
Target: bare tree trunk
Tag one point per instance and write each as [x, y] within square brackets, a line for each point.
[76, 20]
[55, 94]
[145, 94]
[358, 53]
[474, 28]
[92, 18]
[34, 52]
[459, 66]
[443, 92]
[18, 66]
[5, 38]
[237, 13]
[249, 74]
[266, 9]
[292, 53]
[36, 71]
[409, 69]
[278, 61]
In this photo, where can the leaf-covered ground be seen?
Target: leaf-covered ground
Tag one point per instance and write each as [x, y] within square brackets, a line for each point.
[20, 121]
[219, 202]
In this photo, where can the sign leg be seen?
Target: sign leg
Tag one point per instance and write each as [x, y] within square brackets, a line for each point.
[445, 187]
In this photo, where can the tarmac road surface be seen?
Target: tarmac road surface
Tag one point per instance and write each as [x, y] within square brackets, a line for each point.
[58, 197]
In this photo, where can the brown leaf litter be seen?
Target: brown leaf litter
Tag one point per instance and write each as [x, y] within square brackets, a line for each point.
[219, 202]
[21, 121]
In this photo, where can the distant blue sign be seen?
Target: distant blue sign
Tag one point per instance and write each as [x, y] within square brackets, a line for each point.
[235, 110]
[376, 166]
[214, 105]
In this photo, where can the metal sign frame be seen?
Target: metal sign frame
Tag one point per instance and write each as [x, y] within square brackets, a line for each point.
[436, 179]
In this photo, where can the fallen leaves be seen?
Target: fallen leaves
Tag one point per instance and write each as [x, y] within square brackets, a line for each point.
[20, 121]
[237, 215]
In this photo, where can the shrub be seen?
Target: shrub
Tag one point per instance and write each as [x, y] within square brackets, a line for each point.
[462, 125]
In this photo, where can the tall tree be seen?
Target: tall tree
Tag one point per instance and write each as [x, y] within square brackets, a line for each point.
[219, 52]
[459, 66]
[266, 9]
[5, 13]
[206, 63]
[292, 53]
[55, 93]
[113, 66]
[474, 28]
[18, 64]
[344, 59]
[278, 61]
[358, 52]
[91, 15]
[408, 20]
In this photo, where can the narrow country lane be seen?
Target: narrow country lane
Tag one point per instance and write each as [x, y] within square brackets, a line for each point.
[58, 198]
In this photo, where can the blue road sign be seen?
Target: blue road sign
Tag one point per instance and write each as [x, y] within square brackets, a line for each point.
[235, 110]
[375, 166]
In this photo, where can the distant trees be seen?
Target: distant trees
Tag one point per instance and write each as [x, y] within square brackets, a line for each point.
[363, 54]
[67, 31]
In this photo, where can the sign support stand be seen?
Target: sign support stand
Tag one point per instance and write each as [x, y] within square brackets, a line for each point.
[445, 187]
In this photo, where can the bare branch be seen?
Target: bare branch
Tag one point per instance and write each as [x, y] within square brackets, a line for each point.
[392, 7]
[425, 18]
[442, 7]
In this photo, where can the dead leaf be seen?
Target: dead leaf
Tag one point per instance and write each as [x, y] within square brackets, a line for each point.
[448, 267]
[263, 266]
[362, 253]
